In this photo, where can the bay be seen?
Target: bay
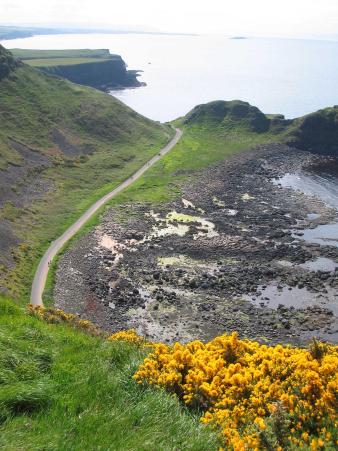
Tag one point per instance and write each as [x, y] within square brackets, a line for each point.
[287, 76]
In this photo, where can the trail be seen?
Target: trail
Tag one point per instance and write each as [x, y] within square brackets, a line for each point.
[40, 277]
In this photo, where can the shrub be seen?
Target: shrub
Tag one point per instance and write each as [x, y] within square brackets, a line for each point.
[261, 397]
[52, 315]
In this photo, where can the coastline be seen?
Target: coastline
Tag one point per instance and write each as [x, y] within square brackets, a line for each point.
[188, 286]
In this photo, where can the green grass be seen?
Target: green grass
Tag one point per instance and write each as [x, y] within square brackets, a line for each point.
[27, 54]
[200, 147]
[45, 62]
[120, 141]
[61, 389]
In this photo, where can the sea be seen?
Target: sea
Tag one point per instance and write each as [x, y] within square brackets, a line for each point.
[287, 76]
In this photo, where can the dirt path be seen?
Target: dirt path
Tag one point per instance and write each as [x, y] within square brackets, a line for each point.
[41, 274]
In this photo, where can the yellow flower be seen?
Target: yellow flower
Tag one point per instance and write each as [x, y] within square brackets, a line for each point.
[260, 423]
[238, 383]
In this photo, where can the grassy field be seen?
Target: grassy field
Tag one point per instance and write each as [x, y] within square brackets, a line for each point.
[110, 140]
[50, 58]
[45, 62]
[200, 147]
[62, 389]
[27, 54]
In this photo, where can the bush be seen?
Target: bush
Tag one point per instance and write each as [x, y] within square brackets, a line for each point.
[261, 397]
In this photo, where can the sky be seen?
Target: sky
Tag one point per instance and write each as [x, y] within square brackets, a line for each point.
[230, 17]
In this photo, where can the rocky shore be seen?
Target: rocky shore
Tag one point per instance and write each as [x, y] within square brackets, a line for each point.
[228, 255]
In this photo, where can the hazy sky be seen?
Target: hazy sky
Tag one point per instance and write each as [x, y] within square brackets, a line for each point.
[255, 17]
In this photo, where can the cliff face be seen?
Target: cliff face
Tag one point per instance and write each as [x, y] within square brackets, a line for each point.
[104, 74]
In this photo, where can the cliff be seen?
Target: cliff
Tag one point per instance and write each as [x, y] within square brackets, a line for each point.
[95, 68]
[103, 74]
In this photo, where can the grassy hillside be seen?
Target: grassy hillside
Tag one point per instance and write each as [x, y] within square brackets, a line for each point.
[62, 146]
[209, 136]
[62, 389]
[58, 370]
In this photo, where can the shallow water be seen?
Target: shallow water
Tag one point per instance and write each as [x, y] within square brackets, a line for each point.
[325, 235]
[320, 264]
[320, 182]
[312, 216]
[299, 298]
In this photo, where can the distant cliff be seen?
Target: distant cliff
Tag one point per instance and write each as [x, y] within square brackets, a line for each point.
[95, 68]
[100, 74]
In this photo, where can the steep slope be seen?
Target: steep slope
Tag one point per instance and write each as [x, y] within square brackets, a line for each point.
[61, 147]
[61, 388]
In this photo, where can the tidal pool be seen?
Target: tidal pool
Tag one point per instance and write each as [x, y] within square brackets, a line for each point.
[322, 183]
[325, 235]
[320, 264]
[299, 298]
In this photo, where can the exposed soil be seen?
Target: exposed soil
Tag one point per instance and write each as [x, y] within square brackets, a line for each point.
[68, 149]
[20, 185]
[226, 256]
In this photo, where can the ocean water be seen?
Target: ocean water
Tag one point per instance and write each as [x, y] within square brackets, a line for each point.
[291, 77]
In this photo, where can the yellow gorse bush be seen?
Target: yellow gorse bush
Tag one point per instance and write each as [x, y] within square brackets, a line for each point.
[262, 397]
[259, 396]
[130, 336]
[53, 315]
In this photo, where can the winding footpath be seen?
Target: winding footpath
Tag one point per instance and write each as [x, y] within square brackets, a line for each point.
[40, 277]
